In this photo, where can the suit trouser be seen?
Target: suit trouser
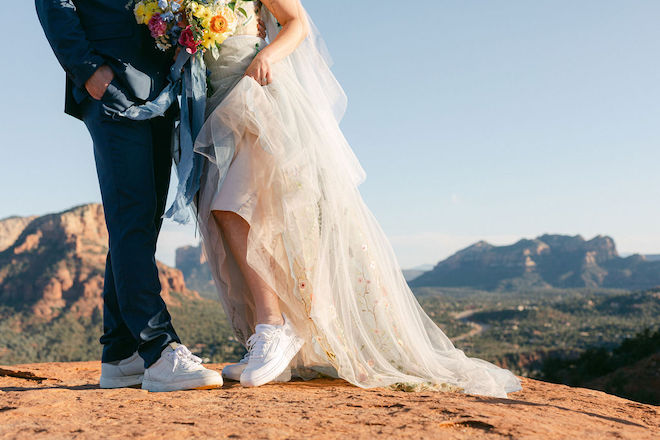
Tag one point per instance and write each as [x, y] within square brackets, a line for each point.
[133, 162]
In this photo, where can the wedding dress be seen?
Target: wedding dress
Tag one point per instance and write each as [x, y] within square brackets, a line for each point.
[277, 157]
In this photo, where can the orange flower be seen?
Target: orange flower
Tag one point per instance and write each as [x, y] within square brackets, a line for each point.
[219, 24]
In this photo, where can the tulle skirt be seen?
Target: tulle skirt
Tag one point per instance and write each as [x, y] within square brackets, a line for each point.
[285, 167]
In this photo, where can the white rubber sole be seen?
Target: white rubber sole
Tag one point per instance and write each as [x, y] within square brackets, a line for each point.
[269, 375]
[204, 383]
[284, 377]
[121, 381]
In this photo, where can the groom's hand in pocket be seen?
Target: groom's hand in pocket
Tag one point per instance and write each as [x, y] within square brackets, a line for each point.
[98, 83]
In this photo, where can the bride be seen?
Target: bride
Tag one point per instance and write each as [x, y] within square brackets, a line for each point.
[305, 274]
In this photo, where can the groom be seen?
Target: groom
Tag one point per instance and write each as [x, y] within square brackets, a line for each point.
[111, 64]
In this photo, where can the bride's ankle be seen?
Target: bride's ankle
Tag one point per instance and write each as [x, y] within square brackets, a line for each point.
[271, 320]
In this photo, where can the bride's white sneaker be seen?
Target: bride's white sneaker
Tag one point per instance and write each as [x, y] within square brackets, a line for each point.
[234, 371]
[125, 373]
[271, 349]
[178, 369]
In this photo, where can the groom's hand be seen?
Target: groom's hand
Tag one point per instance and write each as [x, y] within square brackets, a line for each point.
[97, 84]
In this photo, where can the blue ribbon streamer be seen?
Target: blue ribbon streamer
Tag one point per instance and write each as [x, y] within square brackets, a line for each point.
[192, 88]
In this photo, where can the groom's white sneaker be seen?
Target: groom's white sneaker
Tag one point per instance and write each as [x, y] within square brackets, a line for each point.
[234, 371]
[178, 369]
[120, 374]
[271, 349]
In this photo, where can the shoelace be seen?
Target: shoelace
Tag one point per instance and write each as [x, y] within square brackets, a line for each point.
[257, 344]
[245, 358]
[181, 355]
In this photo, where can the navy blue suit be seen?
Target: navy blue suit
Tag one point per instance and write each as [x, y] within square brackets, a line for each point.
[133, 160]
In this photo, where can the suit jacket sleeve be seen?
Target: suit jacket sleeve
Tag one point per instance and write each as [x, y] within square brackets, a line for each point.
[66, 36]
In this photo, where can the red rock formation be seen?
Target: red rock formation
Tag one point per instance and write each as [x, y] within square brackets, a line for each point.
[544, 262]
[57, 263]
[11, 228]
[192, 262]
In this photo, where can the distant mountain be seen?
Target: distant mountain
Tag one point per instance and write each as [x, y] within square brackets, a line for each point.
[652, 257]
[51, 280]
[546, 261]
[414, 272]
[411, 274]
[56, 263]
[11, 228]
[190, 260]
[422, 267]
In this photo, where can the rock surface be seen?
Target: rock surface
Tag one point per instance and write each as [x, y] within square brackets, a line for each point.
[62, 400]
[11, 228]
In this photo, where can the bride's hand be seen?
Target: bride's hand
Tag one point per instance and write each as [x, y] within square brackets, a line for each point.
[260, 70]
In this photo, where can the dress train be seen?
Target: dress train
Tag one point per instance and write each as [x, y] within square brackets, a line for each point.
[281, 162]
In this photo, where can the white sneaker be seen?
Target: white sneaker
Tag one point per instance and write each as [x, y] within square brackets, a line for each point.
[271, 349]
[234, 371]
[120, 374]
[178, 369]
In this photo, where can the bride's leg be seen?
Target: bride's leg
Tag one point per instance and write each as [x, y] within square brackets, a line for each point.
[235, 229]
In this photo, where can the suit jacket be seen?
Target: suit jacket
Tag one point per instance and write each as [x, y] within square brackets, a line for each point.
[85, 34]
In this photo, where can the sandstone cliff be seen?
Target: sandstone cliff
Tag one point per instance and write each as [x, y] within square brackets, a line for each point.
[51, 281]
[56, 262]
[190, 260]
[11, 228]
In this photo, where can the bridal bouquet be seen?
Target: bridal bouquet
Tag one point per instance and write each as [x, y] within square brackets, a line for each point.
[194, 25]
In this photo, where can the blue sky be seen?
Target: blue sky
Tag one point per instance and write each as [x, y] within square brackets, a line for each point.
[473, 120]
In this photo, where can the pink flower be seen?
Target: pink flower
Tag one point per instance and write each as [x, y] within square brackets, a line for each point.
[187, 40]
[157, 26]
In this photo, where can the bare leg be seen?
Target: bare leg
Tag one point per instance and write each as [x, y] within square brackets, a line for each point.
[235, 230]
